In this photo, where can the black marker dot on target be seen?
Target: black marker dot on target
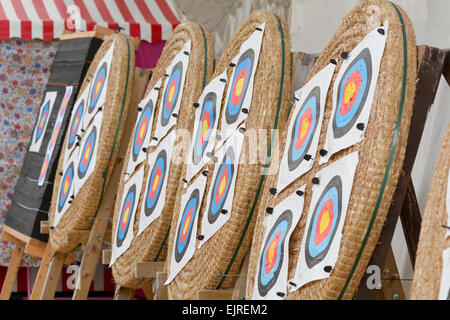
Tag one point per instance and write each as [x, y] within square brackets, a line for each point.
[307, 157]
[184, 180]
[186, 53]
[323, 152]
[200, 237]
[157, 88]
[223, 80]
[139, 109]
[245, 110]
[232, 64]
[280, 294]
[333, 61]
[292, 284]
[381, 31]
[327, 269]
[174, 115]
[144, 149]
[360, 126]
[196, 105]
[299, 193]
[273, 191]
[205, 173]
[315, 180]
[242, 130]
[345, 55]
[269, 210]
[224, 211]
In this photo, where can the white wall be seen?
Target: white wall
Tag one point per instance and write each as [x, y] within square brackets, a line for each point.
[313, 22]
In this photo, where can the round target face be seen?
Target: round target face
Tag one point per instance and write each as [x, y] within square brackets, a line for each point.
[87, 153]
[43, 170]
[42, 121]
[76, 121]
[155, 183]
[64, 187]
[141, 129]
[221, 186]
[305, 124]
[184, 231]
[207, 119]
[324, 222]
[125, 215]
[171, 93]
[271, 259]
[239, 85]
[352, 93]
[97, 87]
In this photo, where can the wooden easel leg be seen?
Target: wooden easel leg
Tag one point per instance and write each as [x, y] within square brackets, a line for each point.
[123, 293]
[240, 287]
[91, 255]
[53, 276]
[11, 274]
[42, 273]
[148, 290]
[391, 285]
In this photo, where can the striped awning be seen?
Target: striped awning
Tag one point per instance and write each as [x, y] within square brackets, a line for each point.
[150, 20]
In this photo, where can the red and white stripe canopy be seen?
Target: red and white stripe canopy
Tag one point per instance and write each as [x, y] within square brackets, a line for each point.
[150, 20]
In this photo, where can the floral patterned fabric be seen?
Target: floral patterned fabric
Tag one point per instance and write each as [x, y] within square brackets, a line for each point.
[24, 72]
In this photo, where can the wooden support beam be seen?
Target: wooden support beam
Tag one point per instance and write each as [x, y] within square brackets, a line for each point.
[430, 65]
[148, 270]
[106, 256]
[42, 273]
[78, 236]
[446, 71]
[148, 290]
[160, 291]
[13, 268]
[53, 276]
[123, 293]
[411, 221]
[214, 294]
[240, 286]
[45, 228]
[391, 284]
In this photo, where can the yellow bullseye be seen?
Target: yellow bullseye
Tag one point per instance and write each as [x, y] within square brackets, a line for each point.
[186, 225]
[324, 221]
[125, 215]
[86, 154]
[171, 93]
[222, 185]
[204, 128]
[239, 87]
[271, 252]
[349, 92]
[66, 186]
[304, 128]
[155, 183]
[142, 130]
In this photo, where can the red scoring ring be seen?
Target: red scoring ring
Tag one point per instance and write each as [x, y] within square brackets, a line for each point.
[235, 99]
[355, 77]
[319, 237]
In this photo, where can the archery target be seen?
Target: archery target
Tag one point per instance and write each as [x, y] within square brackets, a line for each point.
[353, 92]
[143, 129]
[186, 231]
[272, 271]
[76, 123]
[66, 190]
[304, 128]
[205, 125]
[156, 184]
[42, 120]
[321, 240]
[98, 87]
[124, 226]
[172, 94]
[55, 135]
[444, 288]
[221, 191]
[87, 157]
[240, 89]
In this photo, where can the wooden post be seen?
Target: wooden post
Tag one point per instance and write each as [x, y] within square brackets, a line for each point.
[11, 274]
[148, 290]
[240, 287]
[123, 293]
[53, 276]
[430, 67]
[42, 273]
